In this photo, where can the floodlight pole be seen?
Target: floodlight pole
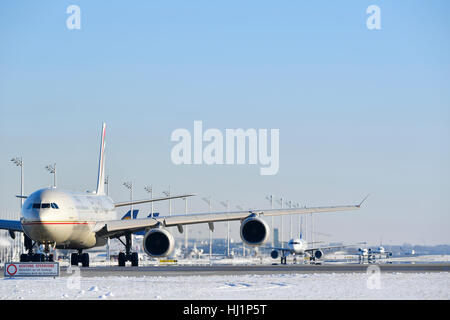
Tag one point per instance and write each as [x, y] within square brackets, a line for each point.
[107, 185]
[129, 185]
[281, 234]
[270, 198]
[227, 205]
[150, 190]
[290, 217]
[208, 201]
[167, 193]
[52, 169]
[186, 240]
[108, 241]
[18, 161]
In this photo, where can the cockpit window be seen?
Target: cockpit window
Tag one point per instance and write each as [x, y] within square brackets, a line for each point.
[44, 205]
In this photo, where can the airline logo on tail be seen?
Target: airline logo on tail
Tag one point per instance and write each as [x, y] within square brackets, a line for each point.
[127, 215]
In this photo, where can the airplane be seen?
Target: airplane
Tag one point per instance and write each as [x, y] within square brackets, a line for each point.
[299, 247]
[372, 254]
[55, 218]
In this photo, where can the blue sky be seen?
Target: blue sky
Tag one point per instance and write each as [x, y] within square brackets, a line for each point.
[359, 111]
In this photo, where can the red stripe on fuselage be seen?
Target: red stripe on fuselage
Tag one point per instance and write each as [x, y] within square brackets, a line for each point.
[32, 223]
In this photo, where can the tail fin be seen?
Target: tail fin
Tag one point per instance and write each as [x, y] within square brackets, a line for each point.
[101, 163]
[127, 215]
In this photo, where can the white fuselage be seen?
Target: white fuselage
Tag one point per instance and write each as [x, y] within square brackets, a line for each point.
[66, 219]
[297, 246]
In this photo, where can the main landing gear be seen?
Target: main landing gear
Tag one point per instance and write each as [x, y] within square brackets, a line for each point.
[133, 257]
[35, 257]
[283, 258]
[79, 257]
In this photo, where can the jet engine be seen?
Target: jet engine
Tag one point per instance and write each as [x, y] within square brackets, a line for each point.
[318, 254]
[254, 231]
[274, 254]
[158, 242]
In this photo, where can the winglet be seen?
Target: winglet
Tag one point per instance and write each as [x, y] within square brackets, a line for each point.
[359, 205]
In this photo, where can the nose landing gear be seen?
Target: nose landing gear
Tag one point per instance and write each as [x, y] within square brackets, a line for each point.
[35, 257]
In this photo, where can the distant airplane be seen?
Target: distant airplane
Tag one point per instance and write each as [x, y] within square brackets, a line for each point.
[372, 254]
[299, 247]
[60, 219]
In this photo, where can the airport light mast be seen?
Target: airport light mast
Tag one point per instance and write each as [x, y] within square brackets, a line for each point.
[300, 220]
[186, 240]
[243, 243]
[280, 201]
[270, 198]
[108, 241]
[167, 193]
[208, 201]
[226, 204]
[107, 185]
[289, 203]
[52, 169]
[150, 190]
[129, 185]
[18, 161]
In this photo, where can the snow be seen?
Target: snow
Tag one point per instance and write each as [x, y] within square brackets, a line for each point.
[233, 287]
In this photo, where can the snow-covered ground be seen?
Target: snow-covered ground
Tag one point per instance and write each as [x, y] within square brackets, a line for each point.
[232, 287]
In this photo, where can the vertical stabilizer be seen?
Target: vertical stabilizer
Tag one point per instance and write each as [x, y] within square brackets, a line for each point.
[101, 164]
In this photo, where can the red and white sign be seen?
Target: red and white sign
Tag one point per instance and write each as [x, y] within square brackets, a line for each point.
[31, 269]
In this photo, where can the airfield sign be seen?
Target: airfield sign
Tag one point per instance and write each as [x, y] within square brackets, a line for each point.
[31, 269]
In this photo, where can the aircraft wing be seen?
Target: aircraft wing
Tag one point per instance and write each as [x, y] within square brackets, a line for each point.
[11, 225]
[277, 248]
[128, 203]
[330, 247]
[117, 228]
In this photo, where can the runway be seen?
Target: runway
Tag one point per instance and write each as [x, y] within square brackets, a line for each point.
[180, 270]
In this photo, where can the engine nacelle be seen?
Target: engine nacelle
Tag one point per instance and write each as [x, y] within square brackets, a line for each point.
[158, 243]
[318, 254]
[274, 254]
[254, 231]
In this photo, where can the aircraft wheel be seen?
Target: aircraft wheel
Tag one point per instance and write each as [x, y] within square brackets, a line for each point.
[85, 259]
[50, 258]
[121, 259]
[38, 257]
[74, 259]
[24, 257]
[134, 259]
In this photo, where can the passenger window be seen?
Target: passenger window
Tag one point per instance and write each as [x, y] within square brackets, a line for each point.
[54, 206]
[45, 205]
[36, 205]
